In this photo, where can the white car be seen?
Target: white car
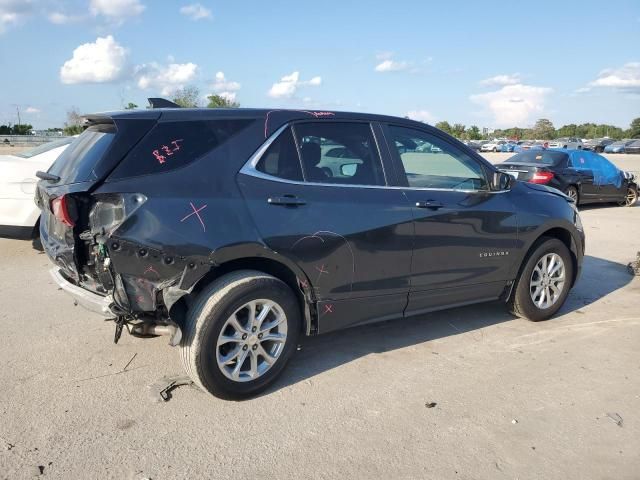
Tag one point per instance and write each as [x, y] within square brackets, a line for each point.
[18, 212]
[494, 146]
[571, 143]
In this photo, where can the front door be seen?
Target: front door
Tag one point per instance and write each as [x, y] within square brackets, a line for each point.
[333, 215]
[466, 235]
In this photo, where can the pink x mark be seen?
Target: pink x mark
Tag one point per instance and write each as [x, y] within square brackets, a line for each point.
[322, 270]
[328, 308]
[197, 214]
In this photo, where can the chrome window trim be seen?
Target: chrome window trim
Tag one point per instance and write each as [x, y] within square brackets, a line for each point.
[249, 168]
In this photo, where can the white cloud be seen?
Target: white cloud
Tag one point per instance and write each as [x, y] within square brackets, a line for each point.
[231, 96]
[196, 11]
[626, 78]
[32, 110]
[289, 85]
[221, 84]
[99, 62]
[116, 10]
[12, 12]
[165, 78]
[390, 65]
[501, 80]
[421, 116]
[513, 105]
[60, 18]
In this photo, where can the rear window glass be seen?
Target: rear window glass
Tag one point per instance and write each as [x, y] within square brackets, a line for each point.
[76, 163]
[172, 145]
[545, 157]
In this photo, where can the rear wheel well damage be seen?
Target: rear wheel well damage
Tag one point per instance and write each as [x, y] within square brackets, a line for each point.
[266, 265]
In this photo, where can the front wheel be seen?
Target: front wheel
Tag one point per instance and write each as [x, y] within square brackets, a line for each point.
[630, 198]
[544, 281]
[240, 333]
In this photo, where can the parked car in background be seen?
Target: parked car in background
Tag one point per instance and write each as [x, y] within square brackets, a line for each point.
[597, 144]
[18, 212]
[633, 147]
[224, 229]
[493, 146]
[618, 147]
[508, 147]
[567, 142]
[584, 176]
[473, 145]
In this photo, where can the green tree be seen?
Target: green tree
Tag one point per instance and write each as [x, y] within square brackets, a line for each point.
[473, 132]
[5, 129]
[73, 125]
[634, 130]
[218, 101]
[458, 130]
[544, 129]
[444, 126]
[187, 97]
[131, 106]
[21, 129]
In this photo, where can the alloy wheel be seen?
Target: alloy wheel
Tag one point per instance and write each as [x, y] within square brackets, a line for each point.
[631, 198]
[547, 281]
[251, 340]
[572, 193]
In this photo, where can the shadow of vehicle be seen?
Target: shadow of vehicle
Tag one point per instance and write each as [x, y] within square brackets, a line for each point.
[318, 354]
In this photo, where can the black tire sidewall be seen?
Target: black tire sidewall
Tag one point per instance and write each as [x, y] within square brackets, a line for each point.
[523, 299]
[207, 367]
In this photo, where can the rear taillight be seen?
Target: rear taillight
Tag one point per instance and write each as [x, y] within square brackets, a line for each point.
[61, 210]
[541, 177]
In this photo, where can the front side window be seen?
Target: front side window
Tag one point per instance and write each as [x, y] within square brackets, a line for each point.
[430, 162]
[340, 153]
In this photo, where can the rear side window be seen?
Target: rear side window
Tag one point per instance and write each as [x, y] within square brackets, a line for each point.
[77, 161]
[171, 145]
[281, 158]
[340, 152]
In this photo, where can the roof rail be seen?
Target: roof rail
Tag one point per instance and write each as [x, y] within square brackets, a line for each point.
[162, 103]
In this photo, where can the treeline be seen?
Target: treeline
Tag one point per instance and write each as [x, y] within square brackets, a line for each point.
[544, 130]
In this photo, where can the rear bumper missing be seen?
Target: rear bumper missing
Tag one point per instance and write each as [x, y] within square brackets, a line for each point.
[91, 301]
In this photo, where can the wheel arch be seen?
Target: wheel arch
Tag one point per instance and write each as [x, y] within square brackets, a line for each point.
[274, 265]
[565, 236]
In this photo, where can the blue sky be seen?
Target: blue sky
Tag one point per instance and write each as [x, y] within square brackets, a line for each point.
[493, 64]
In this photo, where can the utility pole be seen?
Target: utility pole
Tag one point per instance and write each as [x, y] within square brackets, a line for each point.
[18, 110]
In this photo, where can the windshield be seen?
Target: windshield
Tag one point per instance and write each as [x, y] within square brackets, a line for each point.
[546, 157]
[45, 147]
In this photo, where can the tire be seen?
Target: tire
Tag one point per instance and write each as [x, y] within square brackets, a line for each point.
[495, 150]
[631, 197]
[521, 303]
[572, 191]
[213, 308]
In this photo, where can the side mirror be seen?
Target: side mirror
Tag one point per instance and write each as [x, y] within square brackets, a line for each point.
[348, 169]
[501, 181]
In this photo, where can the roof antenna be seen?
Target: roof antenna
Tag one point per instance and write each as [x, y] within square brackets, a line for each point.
[162, 103]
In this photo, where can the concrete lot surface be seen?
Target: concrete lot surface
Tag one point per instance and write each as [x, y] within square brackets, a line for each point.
[513, 399]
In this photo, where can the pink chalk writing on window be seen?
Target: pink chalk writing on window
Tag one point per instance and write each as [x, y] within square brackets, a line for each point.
[167, 150]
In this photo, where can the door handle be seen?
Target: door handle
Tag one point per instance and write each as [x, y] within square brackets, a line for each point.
[432, 204]
[286, 200]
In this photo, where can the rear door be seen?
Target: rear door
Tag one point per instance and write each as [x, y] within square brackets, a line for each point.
[318, 195]
[466, 235]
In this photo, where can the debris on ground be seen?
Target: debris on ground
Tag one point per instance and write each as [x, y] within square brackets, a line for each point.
[616, 418]
[634, 267]
[514, 421]
[430, 404]
[161, 390]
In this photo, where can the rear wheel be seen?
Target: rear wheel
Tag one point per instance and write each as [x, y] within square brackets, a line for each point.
[544, 281]
[240, 333]
[630, 198]
[572, 192]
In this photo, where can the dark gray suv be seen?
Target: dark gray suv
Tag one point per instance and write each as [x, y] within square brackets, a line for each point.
[234, 231]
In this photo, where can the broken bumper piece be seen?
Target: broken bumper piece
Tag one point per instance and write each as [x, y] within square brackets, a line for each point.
[91, 301]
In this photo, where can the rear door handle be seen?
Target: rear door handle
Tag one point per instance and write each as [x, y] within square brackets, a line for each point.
[432, 204]
[286, 200]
